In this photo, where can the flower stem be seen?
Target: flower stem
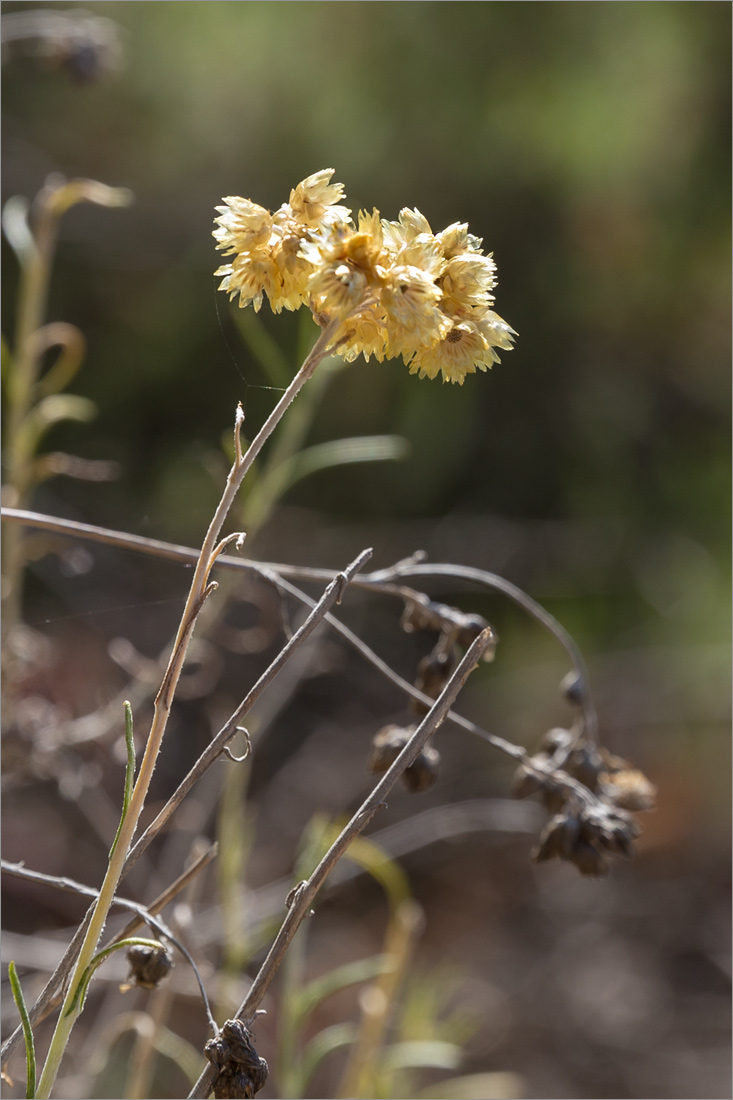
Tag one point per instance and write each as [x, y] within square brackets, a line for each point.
[199, 591]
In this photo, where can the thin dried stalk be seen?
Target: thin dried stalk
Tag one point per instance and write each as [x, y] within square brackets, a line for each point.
[301, 897]
[218, 745]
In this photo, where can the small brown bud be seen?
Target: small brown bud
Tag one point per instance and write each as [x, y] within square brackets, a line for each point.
[558, 838]
[433, 673]
[416, 615]
[148, 964]
[585, 764]
[527, 782]
[387, 746]
[588, 859]
[470, 626]
[423, 771]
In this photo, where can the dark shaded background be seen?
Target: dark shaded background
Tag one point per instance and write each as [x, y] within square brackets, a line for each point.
[589, 145]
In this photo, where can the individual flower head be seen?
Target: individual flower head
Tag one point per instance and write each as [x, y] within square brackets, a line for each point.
[267, 247]
[314, 201]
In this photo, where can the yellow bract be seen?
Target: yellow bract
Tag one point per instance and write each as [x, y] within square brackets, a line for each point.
[400, 289]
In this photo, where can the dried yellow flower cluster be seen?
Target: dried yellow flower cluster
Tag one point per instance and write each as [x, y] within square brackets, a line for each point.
[399, 288]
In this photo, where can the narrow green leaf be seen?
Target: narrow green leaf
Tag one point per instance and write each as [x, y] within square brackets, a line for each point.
[422, 1054]
[477, 1086]
[362, 970]
[341, 452]
[331, 1038]
[81, 989]
[30, 1049]
[129, 773]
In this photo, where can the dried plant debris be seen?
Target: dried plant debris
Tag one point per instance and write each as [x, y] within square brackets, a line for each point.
[584, 831]
[148, 965]
[387, 746]
[241, 1072]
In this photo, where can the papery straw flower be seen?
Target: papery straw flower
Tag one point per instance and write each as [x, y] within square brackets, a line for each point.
[399, 289]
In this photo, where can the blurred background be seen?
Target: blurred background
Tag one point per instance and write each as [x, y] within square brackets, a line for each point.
[589, 146]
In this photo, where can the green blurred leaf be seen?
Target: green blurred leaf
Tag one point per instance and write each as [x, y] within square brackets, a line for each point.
[279, 477]
[422, 1054]
[307, 998]
[30, 1050]
[476, 1086]
[331, 1038]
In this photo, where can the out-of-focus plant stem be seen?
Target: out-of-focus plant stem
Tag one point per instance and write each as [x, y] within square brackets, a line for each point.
[32, 297]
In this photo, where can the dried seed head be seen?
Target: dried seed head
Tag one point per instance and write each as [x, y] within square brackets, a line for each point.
[241, 1071]
[423, 771]
[387, 746]
[148, 964]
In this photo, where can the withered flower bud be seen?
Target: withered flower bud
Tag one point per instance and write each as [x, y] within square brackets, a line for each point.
[588, 859]
[469, 628]
[241, 1071]
[416, 615]
[148, 965]
[613, 829]
[527, 782]
[585, 764]
[433, 673]
[558, 838]
[625, 786]
[387, 746]
[423, 771]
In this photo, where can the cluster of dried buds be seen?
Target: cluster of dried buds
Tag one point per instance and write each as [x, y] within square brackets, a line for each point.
[584, 831]
[456, 631]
